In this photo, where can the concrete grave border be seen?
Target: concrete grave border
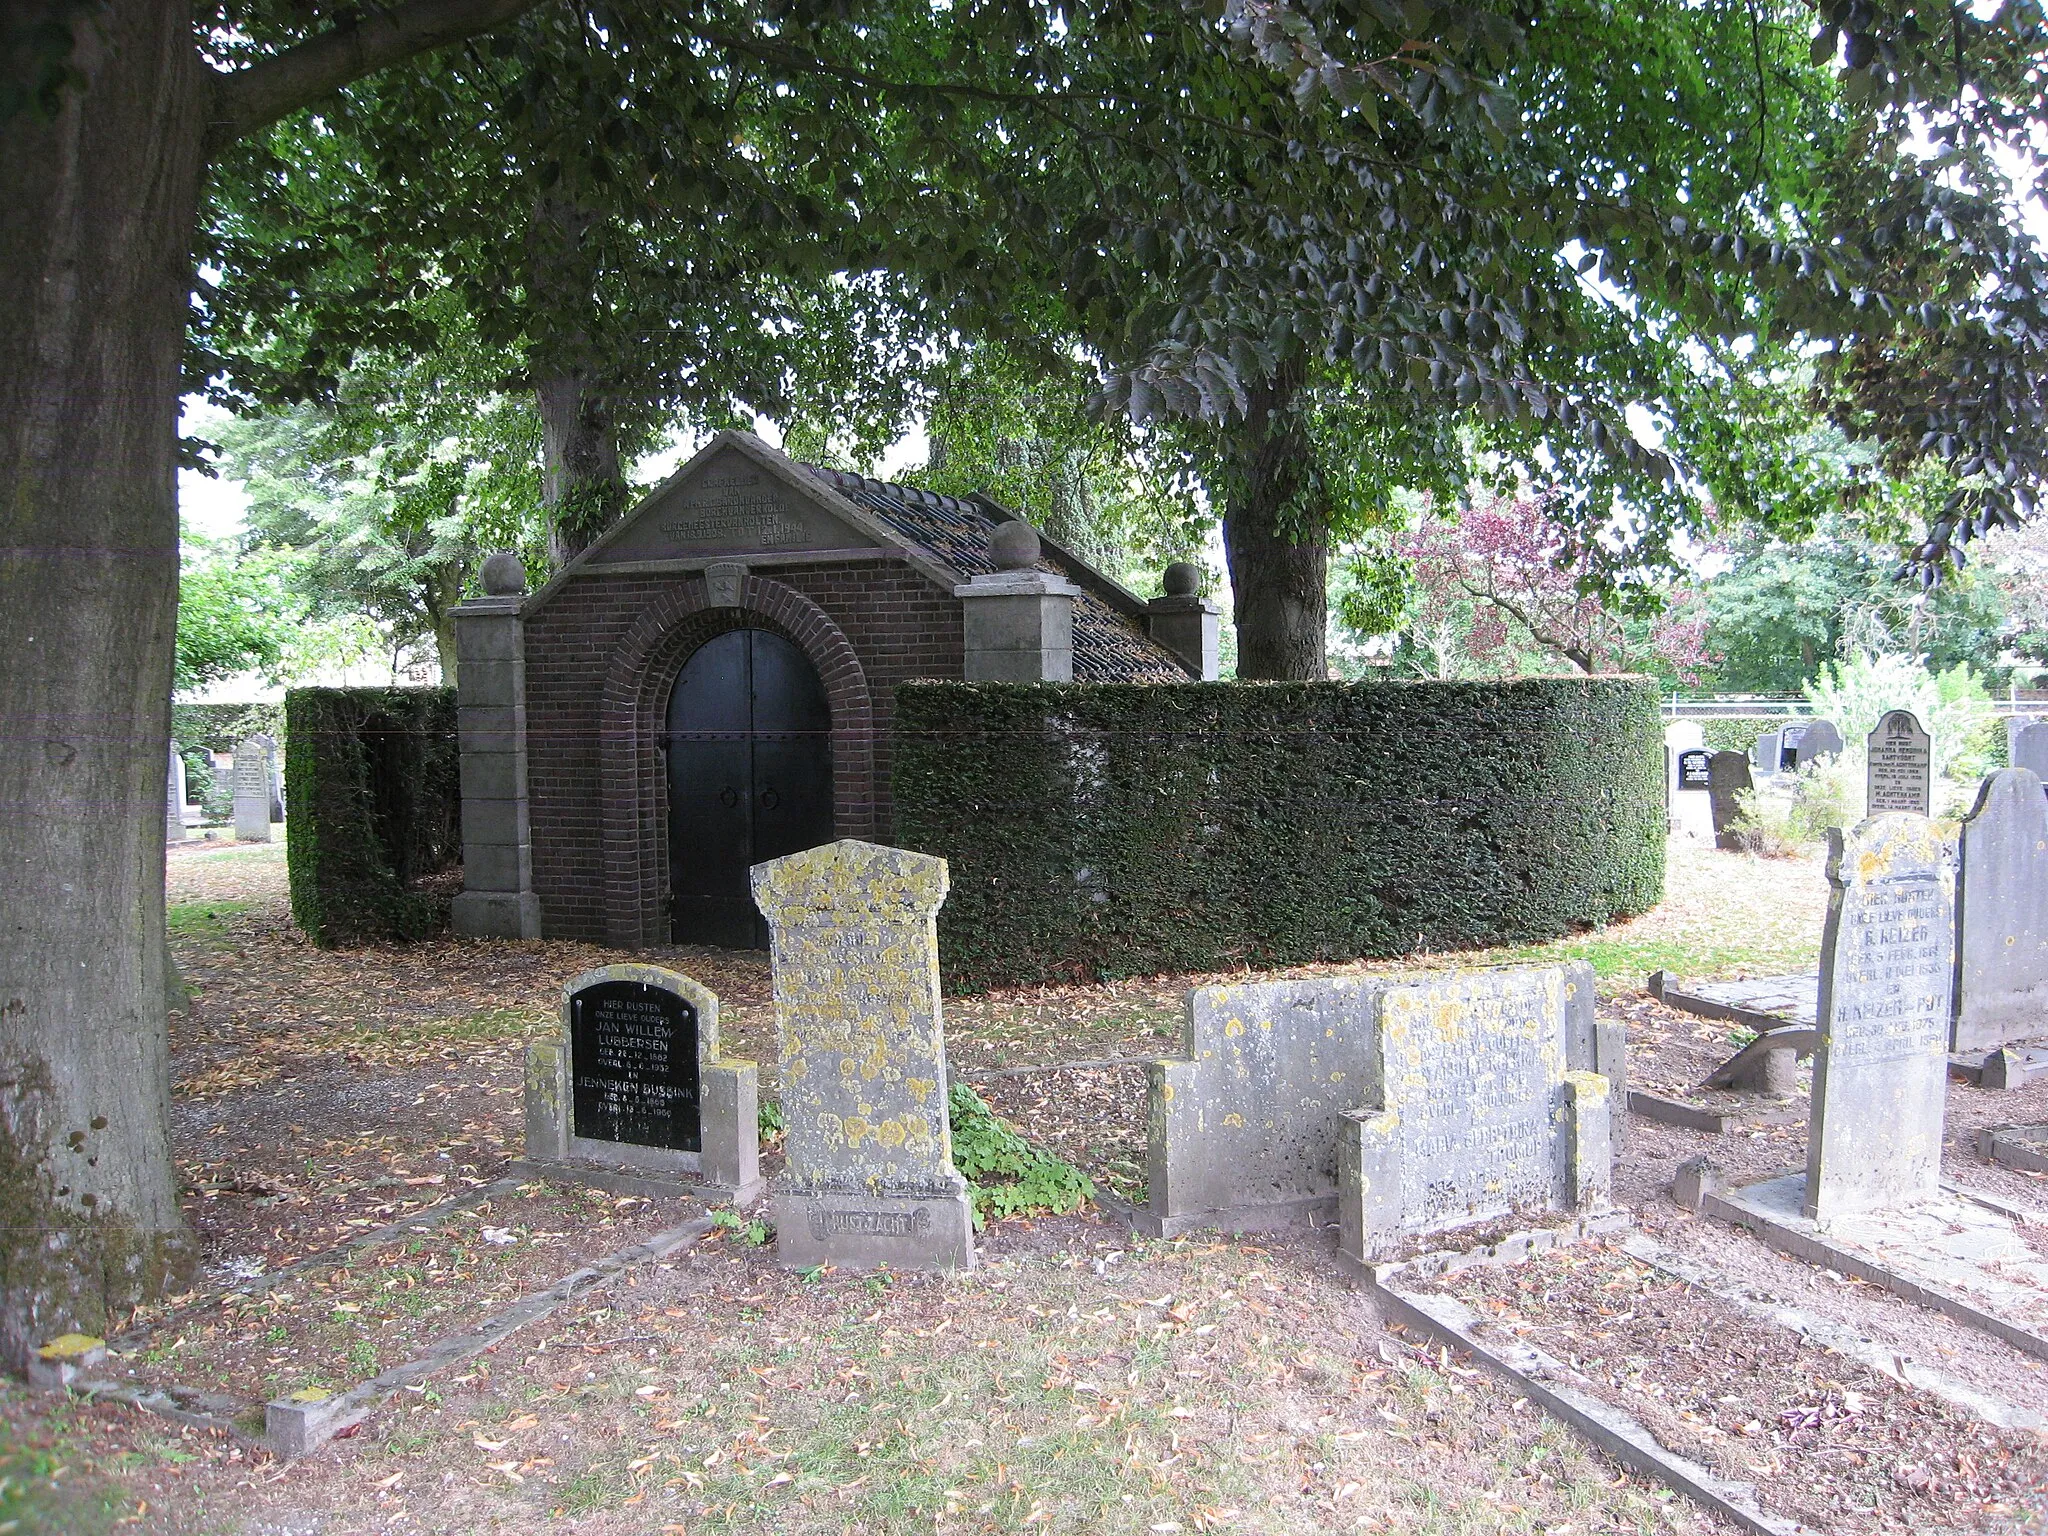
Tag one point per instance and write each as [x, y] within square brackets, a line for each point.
[1802, 1238]
[2024, 1147]
[1547, 1383]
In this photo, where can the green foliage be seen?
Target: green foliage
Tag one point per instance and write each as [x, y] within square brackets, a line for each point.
[1108, 830]
[219, 727]
[754, 1234]
[1784, 610]
[768, 1117]
[232, 613]
[1005, 1173]
[1951, 706]
[371, 776]
[387, 503]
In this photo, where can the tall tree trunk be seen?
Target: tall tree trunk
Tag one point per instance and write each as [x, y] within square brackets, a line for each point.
[582, 488]
[1276, 537]
[443, 592]
[97, 208]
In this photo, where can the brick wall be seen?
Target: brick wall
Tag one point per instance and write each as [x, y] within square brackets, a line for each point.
[601, 657]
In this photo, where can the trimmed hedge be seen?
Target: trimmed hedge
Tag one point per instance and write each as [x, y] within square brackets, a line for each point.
[1099, 830]
[372, 778]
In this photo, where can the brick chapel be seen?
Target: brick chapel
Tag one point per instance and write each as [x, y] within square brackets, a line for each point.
[711, 684]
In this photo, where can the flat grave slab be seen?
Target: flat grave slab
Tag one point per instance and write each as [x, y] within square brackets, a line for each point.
[1954, 1255]
[2024, 1147]
[1761, 1002]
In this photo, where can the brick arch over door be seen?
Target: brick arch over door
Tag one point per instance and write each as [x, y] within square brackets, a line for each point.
[636, 689]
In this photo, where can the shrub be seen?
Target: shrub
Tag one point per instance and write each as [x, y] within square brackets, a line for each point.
[1120, 829]
[1006, 1175]
[373, 782]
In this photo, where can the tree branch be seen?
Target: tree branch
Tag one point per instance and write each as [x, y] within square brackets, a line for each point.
[245, 100]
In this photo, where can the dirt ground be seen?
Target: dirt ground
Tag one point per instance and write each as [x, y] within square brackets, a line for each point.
[1080, 1379]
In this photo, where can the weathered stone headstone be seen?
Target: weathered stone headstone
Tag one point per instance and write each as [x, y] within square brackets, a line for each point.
[2030, 749]
[1244, 1125]
[1899, 771]
[255, 771]
[1820, 740]
[2014, 724]
[1764, 756]
[1479, 1114]
[1880, 1074]
[174, 799]
[869, 1178]
[1685, 815]
[2001, 986]
[634, 1082]
[1727, 779]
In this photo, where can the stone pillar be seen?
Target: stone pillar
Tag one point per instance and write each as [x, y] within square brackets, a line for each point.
[174, 799]
[497, 899]
[1186, 623]
[1018, 623]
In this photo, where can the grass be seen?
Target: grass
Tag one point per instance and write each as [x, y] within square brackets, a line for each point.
[201, 919]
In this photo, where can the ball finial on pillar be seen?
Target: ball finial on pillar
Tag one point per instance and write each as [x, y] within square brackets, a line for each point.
[1181, 579]
[1013, 546]
[503, 575]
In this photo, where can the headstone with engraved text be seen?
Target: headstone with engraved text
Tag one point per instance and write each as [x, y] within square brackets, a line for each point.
[1880, 1073]
[634, 1083]
[254, 772]
[869, 1179]
[1479, 1113]
[1899, 766]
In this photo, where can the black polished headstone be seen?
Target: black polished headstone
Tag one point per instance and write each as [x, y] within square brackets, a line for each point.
[1693, 771]
[633, 1066]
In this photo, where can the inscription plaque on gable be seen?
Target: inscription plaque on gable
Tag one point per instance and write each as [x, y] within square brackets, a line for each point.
[729, 503]
[633, 1066]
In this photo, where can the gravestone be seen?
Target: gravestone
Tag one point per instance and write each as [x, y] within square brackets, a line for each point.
[634, 1085]
[1880, 1073]
[174, 799]
[1685, 815]
[1244, 1125]
[255, 774]
[1478, 1113]
[2001, 981]
[2014, 724]
[1692, 803]
[869, 1179]
[1790, 735]
[1899, 767]
[1727, 779]
[1764, 756]
[1820, 740]
[2030, 749]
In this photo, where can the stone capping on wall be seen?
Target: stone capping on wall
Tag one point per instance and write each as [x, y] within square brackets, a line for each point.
[638, 678]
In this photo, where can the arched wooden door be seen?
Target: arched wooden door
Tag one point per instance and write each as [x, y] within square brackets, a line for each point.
[749, 778]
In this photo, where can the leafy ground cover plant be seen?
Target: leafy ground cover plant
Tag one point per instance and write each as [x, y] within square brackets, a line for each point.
[1008, 1176]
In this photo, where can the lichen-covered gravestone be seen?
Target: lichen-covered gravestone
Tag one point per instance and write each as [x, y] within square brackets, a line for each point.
[869, 1179]
[1880, 1074]
[1899, 766]
[1244, 1126]
[1478, 1114]
[1728, 778]
[634, 1093]
[255, 772]
[2001, 988]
